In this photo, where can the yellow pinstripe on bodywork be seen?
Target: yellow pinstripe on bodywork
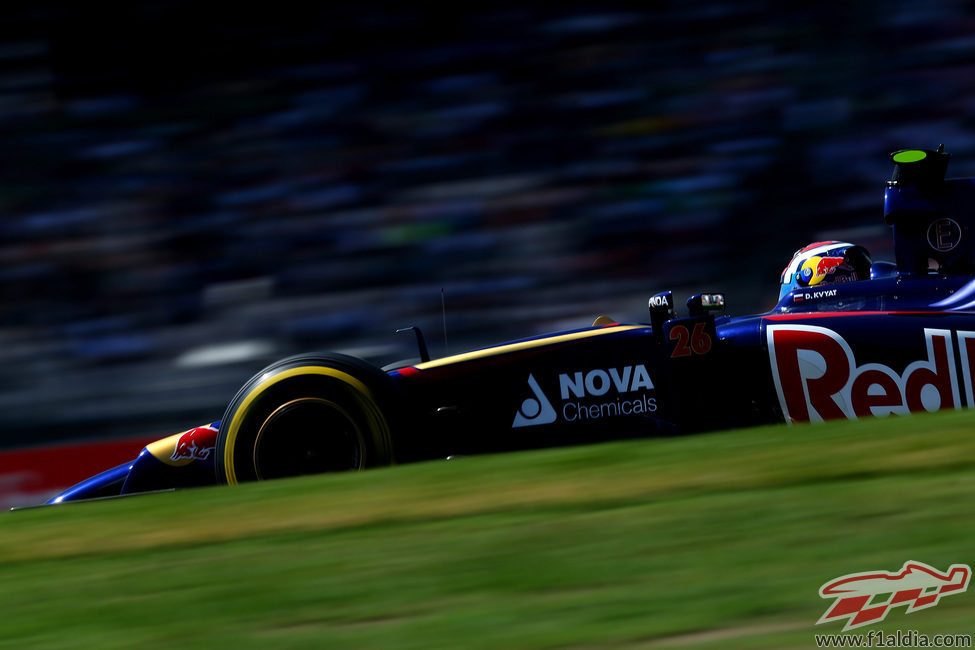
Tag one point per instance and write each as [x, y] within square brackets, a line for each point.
[524, 345]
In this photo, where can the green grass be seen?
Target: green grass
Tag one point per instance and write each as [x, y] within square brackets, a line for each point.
[718, 540]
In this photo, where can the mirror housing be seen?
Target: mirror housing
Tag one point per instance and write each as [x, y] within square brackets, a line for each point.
[703, 303]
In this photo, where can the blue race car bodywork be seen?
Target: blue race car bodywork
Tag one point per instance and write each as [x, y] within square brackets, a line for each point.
[899, 342]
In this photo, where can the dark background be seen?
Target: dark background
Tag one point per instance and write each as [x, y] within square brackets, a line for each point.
[186, 194]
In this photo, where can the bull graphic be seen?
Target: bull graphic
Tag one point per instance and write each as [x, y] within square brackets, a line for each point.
[865, 598]
[195, 444]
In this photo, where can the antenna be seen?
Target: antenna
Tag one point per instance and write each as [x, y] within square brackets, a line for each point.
[443, 311]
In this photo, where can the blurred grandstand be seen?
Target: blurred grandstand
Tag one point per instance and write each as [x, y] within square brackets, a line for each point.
[187, 195]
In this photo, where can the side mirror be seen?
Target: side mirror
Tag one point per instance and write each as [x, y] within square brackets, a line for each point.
[703, 303]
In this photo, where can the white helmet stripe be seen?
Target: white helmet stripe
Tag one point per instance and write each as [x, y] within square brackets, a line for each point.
[798, 259]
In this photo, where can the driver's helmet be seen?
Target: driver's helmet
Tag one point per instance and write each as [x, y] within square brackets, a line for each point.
[825, 262]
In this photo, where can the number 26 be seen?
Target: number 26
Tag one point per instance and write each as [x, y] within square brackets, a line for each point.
[697, 342]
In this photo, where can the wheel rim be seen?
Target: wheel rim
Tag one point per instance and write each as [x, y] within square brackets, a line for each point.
[309, 435]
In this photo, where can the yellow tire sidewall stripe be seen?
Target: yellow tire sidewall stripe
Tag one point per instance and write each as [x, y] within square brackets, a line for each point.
[372, 411]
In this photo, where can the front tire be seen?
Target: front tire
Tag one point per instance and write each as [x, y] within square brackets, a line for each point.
[307, 415]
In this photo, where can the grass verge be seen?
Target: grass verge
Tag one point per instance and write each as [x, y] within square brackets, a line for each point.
[717, 540]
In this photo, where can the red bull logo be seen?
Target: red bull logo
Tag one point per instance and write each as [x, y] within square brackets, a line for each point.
[195, 444]
[815, 269]
[817, 378]
[866, 598]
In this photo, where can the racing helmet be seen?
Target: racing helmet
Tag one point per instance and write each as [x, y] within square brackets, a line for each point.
[825, 262]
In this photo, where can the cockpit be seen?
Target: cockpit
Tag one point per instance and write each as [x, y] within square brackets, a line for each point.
[934, 254]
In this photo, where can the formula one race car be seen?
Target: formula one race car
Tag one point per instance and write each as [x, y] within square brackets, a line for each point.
[849, 338]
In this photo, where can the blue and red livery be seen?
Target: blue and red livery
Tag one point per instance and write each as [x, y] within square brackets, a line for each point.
[901, 341]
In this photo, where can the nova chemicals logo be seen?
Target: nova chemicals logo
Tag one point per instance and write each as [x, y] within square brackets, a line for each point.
[659, 301]
[865, 598]
[591, 395]
[534, 410]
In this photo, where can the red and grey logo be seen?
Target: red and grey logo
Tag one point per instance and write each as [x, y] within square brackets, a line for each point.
[866, 598]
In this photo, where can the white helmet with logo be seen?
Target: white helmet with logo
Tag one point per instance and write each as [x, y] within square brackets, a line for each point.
[825, 262]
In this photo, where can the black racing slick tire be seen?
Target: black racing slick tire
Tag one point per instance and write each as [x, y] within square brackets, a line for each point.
[307, 414]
